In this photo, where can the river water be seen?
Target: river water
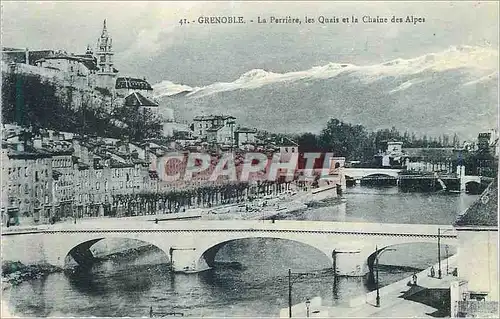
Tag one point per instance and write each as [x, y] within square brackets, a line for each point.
[250, 278]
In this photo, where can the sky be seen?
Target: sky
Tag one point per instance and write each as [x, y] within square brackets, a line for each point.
[149, 41]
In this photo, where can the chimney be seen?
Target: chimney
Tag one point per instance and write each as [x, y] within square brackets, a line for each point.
[27, 56]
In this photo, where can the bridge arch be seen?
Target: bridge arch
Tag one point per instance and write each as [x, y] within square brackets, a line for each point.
[358, 173]
[379, 179]
[206, 255]
[473, 187]
[80, 252]
[379, 249]
[374, 175]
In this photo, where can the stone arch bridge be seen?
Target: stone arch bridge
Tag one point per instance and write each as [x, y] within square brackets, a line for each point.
[359, 173]
[192, 245]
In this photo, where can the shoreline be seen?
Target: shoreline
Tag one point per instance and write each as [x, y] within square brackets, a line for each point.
[15, 272]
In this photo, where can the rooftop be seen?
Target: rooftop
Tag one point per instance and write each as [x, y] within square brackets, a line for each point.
[136, 99]
[484, 211]
[132, 83]
[88, 61]
[245, 130]
[213, 117]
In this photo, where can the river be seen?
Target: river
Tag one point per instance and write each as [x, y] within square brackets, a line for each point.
[250, 278]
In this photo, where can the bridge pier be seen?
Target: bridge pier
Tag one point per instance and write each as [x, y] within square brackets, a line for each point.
[461, 175]
[349, 262]
[186, 260]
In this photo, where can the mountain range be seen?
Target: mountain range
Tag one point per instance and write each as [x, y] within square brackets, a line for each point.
[453, 91]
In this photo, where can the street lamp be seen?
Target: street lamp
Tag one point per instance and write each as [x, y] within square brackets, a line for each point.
[308, 304]
[446, 250]
[377, 255]
[440, 275]
[439, 253]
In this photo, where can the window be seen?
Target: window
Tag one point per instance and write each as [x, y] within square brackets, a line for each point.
[286, 149]
[105, 185]
[36, 176]
[97, 185]
[200, 125]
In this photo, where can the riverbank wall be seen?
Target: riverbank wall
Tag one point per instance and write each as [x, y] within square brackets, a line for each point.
[357, 306]
[370, 297]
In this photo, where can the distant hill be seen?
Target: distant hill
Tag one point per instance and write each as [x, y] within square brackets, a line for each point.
[438, 93]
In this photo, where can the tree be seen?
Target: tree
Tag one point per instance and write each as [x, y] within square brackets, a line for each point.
[456, 141]
[343, 139]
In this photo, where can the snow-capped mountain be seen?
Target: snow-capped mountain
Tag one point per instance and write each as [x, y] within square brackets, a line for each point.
[450, 91]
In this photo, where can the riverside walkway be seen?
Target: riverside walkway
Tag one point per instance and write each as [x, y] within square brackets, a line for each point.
[397, 300]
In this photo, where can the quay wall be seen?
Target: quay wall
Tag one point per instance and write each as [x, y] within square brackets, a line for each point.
[397, 286]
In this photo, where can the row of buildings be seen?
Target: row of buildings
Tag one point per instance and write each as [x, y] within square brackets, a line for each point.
[221, 132]
[61, 175]
[50, 174]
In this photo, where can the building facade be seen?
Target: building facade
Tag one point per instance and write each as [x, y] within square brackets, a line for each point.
[27, 189]
[202, 125]
[476, 291]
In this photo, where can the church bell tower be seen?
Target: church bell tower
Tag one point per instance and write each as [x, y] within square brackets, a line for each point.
[104, 54]
[104, 51]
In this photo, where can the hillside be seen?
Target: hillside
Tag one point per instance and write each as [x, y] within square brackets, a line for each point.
[34, 99]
